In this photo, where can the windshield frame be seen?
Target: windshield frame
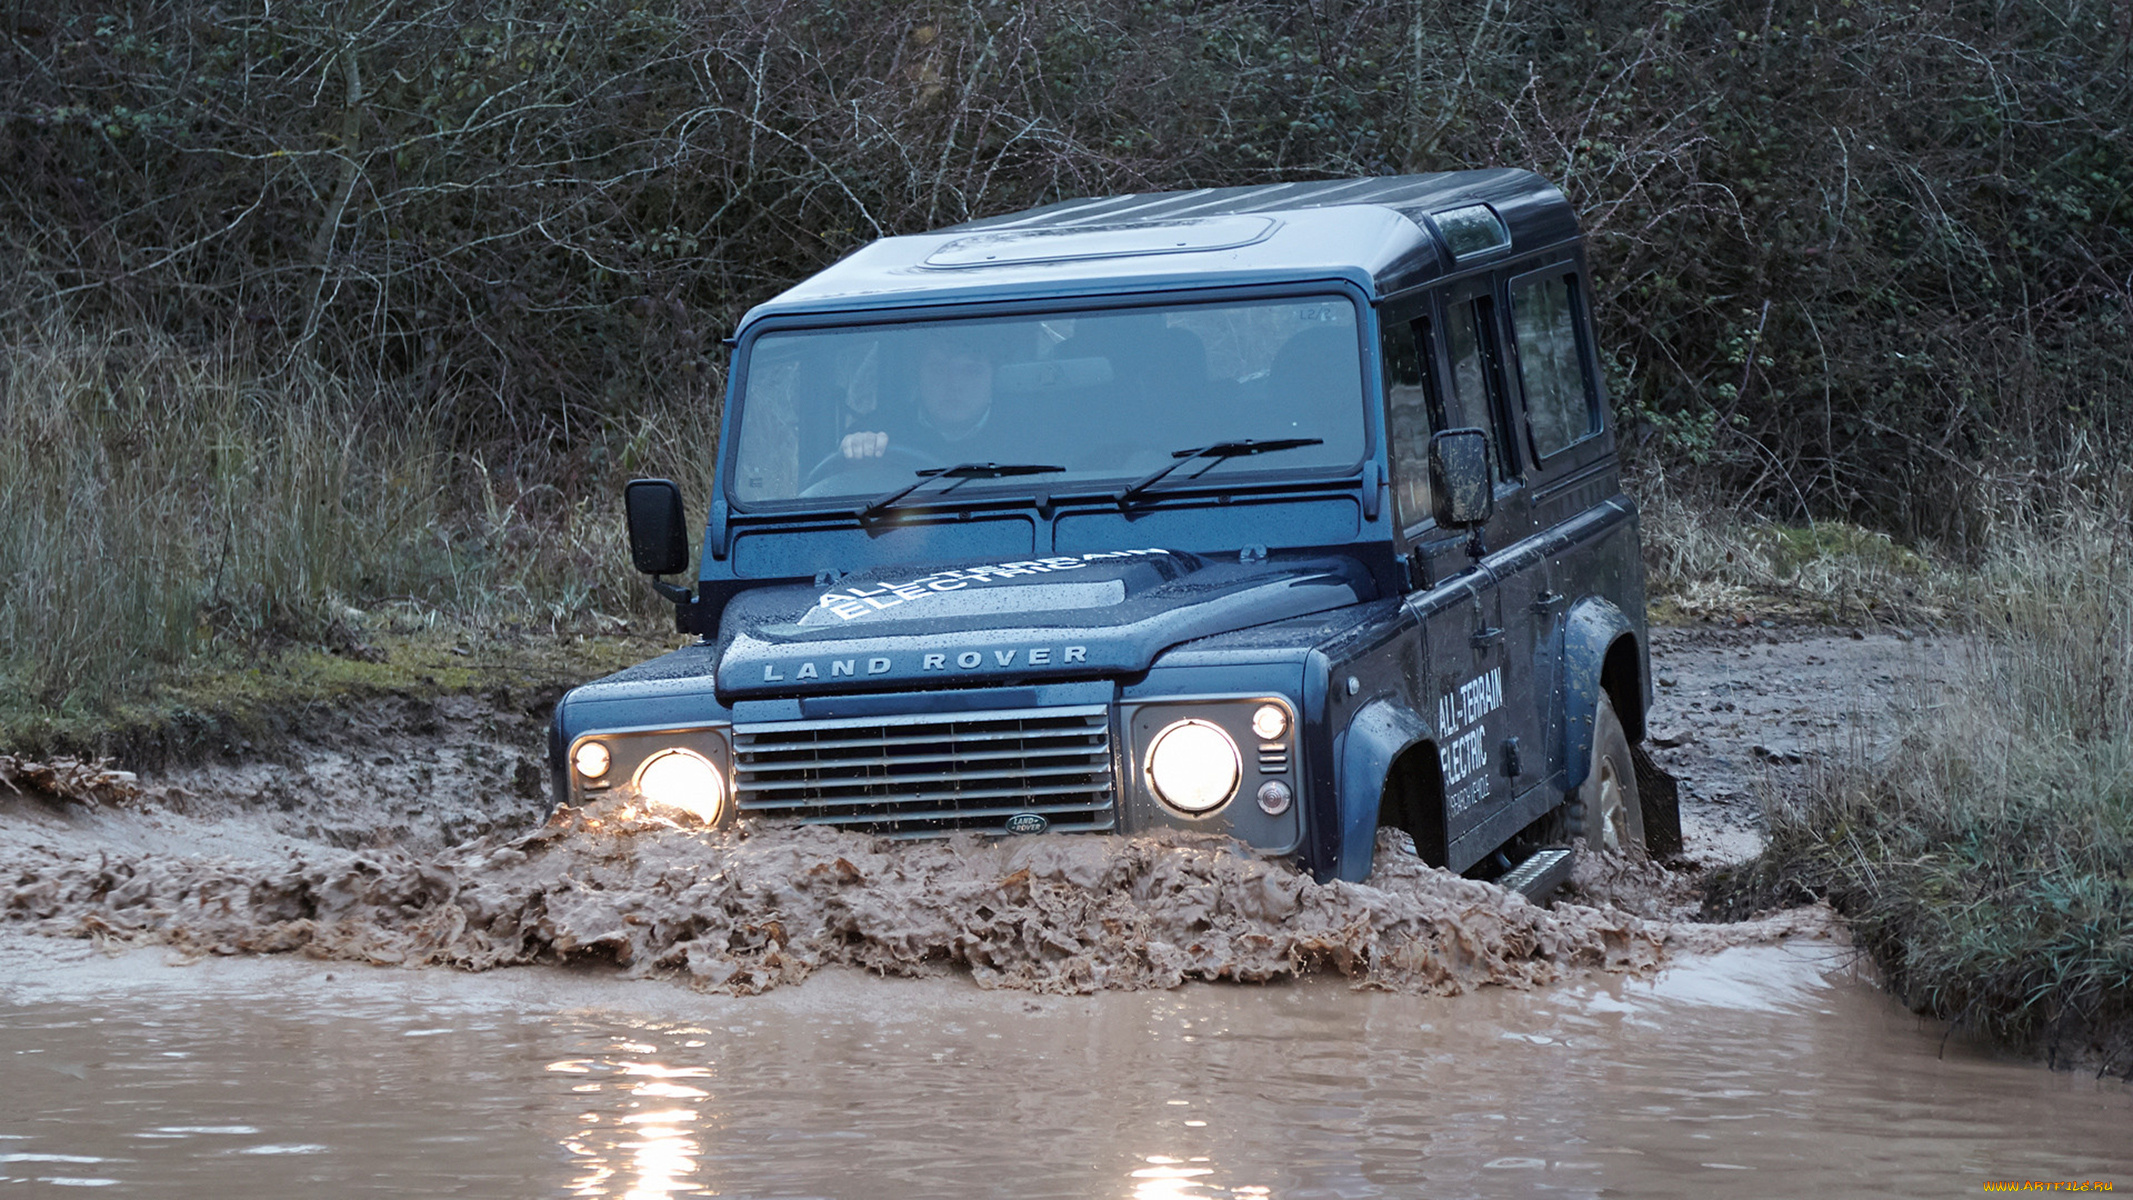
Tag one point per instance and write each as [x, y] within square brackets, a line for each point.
[1263, 472]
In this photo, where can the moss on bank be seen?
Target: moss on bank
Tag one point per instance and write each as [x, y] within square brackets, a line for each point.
[1707, 560]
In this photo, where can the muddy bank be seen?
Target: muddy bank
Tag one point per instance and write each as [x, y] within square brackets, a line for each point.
[1742, 712]
[407, 834]
[414, 773]
[747, 913]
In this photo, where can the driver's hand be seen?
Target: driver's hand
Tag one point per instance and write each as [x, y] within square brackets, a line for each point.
[864, 445]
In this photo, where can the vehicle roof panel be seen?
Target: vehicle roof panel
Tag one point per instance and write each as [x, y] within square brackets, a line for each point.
[1374, 233]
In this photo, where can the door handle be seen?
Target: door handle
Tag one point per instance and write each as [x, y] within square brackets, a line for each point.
[1485, 637]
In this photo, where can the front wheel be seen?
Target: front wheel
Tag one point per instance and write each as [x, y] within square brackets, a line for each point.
[1608, 800]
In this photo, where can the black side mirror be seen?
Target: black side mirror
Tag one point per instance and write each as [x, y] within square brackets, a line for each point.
[1460, 481]
[659, 540]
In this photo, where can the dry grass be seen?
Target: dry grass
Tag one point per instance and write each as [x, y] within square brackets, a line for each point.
[165, 510]
[1705, 559]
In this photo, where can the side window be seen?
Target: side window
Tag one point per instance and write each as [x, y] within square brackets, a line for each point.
[1407, 402]
[1559, 402]
[1473, 353]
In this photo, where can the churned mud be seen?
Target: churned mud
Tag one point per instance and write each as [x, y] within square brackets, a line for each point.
[413, 834]
[1739, 714]
[746, 913]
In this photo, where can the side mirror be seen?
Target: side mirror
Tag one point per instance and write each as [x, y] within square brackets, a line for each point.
[1460, 480]
[659, 540]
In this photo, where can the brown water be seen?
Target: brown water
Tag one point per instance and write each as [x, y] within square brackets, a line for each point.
[1762, 1070]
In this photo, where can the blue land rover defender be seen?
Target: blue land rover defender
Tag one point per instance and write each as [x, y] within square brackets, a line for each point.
[1284, 512]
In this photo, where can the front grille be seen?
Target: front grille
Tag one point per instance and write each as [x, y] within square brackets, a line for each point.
[914, 777]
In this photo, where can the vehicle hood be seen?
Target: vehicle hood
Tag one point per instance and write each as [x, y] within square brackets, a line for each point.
[964, 624]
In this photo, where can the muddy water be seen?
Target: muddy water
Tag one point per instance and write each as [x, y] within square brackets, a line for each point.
[1047, 1032]
[1763, 1070]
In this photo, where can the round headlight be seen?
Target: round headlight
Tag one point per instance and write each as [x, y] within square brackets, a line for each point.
[683, 780]
[591, 759]
[1270, 722]
[1193, 767]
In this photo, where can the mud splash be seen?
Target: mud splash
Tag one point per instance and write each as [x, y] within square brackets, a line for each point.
[745, 913]
[61, 780]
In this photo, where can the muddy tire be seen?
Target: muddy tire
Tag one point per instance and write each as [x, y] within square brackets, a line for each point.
[1608, 800]
[1661, 794]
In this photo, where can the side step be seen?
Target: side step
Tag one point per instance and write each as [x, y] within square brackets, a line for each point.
[1539, 875]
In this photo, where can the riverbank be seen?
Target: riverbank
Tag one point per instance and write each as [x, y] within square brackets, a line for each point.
[1984, 852]
[1869, 765]
[257, 704]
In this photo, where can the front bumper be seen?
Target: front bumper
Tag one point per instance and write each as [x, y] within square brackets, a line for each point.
[1061, 768]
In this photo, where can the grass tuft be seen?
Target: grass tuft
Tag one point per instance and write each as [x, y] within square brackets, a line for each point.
[1706, 560]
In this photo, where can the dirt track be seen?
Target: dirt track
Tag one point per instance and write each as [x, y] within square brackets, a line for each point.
[1742, 710]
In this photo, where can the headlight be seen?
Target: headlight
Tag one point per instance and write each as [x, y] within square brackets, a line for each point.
[591, 759]
[1193, 767]
[684, 780]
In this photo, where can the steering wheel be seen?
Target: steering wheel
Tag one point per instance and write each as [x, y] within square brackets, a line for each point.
[835, 463]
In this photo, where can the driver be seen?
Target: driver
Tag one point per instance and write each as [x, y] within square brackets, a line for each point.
[954, 394]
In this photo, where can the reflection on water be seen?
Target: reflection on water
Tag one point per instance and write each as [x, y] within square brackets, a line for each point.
[1166, 1178]
[642, 1145]
[1757, 1072]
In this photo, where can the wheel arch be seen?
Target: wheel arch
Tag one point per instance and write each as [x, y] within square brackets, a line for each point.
[1413, 800]
[1388, 758]
[1602, 655]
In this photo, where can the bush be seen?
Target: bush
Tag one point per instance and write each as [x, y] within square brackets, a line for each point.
[1868, 263]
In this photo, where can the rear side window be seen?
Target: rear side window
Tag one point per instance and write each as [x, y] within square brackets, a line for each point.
[1551, 364]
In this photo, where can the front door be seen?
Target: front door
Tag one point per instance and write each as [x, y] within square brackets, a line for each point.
[1489, 723]
[1441, 375]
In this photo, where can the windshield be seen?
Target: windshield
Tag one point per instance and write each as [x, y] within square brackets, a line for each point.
[1106, 395]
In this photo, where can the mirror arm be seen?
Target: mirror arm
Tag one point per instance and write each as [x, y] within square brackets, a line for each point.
[690, 616]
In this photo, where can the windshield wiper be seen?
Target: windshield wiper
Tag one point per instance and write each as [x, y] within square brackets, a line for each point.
[1238, 449]
[969, 470]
